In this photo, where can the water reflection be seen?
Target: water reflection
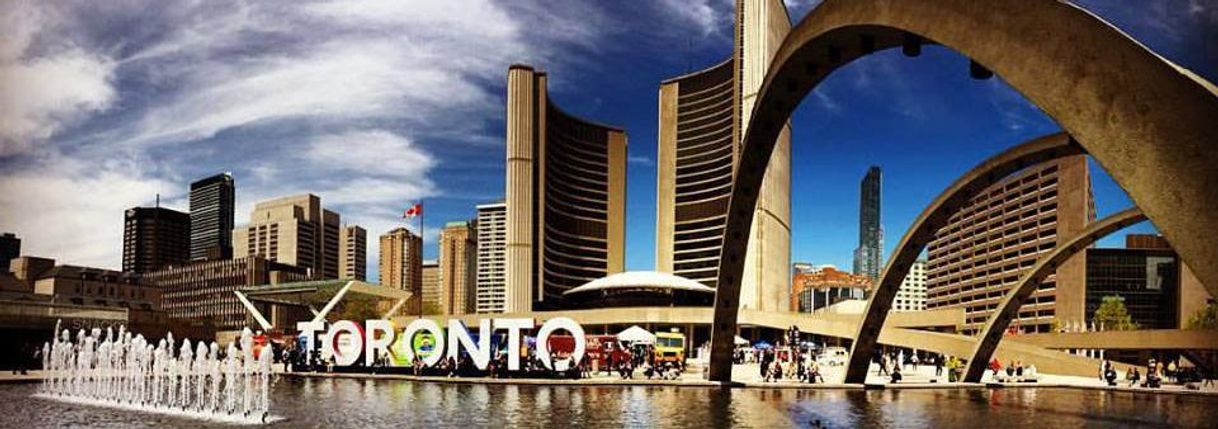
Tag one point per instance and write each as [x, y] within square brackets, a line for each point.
[359, 403]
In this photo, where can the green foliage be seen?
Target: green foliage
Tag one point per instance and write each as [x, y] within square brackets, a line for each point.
[1112, 315]
[355, 308]
[431, 308]
[1205, 318]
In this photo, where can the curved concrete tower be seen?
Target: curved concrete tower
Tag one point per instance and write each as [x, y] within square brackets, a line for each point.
[702, 115]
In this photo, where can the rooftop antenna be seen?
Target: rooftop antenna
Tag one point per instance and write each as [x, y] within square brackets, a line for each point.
[158, 200]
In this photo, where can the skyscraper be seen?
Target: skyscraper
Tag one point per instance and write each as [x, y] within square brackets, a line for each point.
[331, 235]
[997, 236]
[10, 248]
[566, 197]
[292, 230]
[212, 202]
[353, 253]
[401, 263]
[492, 260]
[912, 294]
[430, 287]
[869, 256]
[155, 238]
[702, 119]
[458, 267]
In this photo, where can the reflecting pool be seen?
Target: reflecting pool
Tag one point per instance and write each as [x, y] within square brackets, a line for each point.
[326, 403]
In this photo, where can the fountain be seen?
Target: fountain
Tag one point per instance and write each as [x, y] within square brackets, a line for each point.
[124, 371]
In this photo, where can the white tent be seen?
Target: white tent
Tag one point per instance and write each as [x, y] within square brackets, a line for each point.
[635, 334]
[740, 341]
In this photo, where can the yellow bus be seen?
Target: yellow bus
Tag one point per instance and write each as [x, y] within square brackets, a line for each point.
[670, 347]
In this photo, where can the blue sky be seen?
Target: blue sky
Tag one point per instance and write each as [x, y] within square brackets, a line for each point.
[374, 103]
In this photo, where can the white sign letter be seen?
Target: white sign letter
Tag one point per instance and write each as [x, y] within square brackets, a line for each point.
[345, 354]
[309, 329]
[513, 327]
[458, 337]
[543, 348]
[430, 326]
[373, 346]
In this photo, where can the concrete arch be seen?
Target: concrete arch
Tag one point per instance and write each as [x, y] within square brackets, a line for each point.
[1001, 318]
[933, 218]
[1148, 122]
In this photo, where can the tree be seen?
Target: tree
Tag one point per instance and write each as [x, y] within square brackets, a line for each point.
[1206, 317]
[1112, 315]
[357, 308]
[431, 308]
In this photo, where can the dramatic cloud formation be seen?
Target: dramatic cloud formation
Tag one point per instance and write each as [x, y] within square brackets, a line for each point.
[372, 104]
[39, 94]
[710, 16]
[104, 106]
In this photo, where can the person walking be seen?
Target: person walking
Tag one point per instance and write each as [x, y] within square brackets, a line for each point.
[938, 365]
[951, 376]
[765, 367]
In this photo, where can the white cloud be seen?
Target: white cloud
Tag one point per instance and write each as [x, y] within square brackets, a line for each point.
[640, 160]
[1016, 112]
[73, 211]
[709, 16]
[367, 176]
[106, 104]
[829, 103]
[376, 152]
[41, 92]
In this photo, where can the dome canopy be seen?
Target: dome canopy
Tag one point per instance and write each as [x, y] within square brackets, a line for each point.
[642, 280]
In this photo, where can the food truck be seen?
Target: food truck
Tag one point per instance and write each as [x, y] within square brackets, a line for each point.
[670, 347]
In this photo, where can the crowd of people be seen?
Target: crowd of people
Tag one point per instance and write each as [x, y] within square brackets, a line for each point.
[893, 364]
[802, 364]
[793, 363]
[624, 361]
[1015, 371]
[775, 364]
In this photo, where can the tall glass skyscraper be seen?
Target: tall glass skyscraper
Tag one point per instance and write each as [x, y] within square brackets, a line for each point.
[212, 203]
[869, 256]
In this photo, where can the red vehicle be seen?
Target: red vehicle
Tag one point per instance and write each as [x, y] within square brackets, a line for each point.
[598, 349]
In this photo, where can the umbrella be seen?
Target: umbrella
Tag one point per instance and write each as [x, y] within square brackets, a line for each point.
[635, 334]
[762, 345]
[741, 341]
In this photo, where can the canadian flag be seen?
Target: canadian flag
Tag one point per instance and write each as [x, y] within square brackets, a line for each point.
[415, 210]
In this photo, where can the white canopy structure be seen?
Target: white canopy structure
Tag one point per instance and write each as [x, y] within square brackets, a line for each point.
[635, 334]
[651, 280]
[740, 341]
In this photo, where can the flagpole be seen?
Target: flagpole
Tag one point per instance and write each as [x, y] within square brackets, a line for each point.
[422, 247]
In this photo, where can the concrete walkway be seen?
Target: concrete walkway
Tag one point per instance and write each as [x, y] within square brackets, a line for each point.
[32, 377]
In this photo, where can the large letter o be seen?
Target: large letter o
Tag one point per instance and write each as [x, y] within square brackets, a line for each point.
[543, 348]
[429, 326]
[352, 330]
